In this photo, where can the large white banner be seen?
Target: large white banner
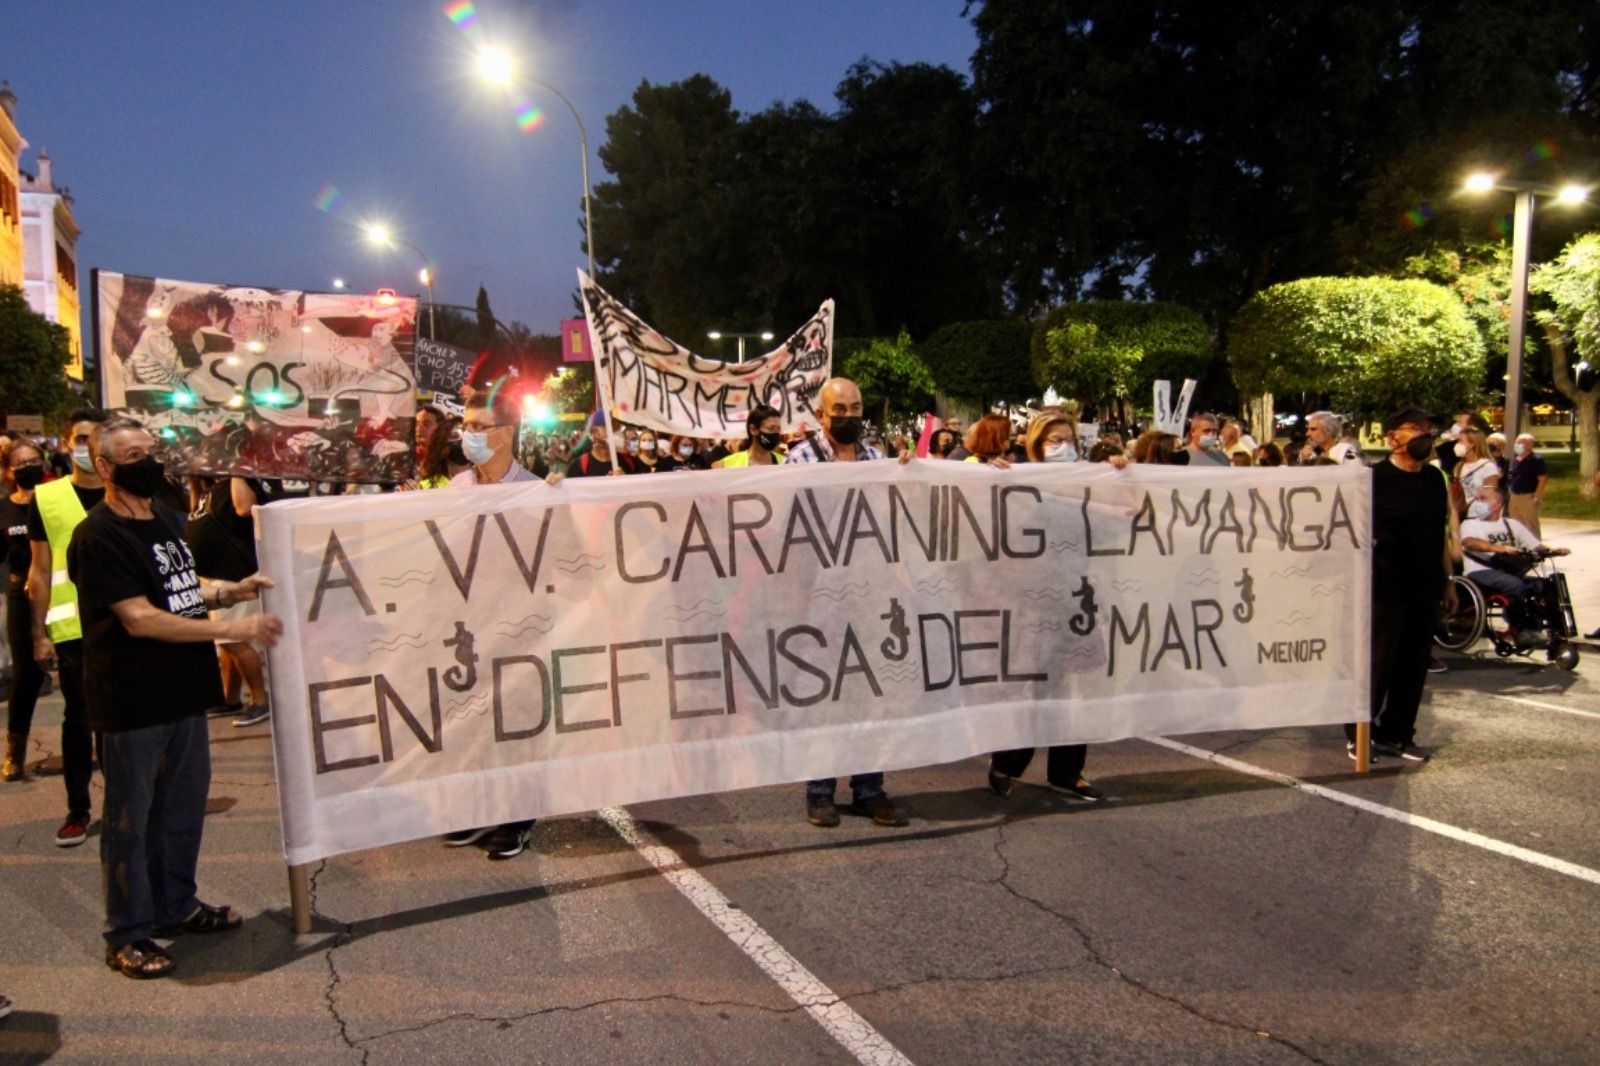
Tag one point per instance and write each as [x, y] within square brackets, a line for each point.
[472, 656]
[650, 380]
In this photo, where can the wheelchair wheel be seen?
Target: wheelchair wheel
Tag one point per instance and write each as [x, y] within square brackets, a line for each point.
[1566, 658]
[1459, 631]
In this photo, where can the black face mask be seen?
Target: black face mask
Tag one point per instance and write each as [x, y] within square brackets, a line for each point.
[1420, 448]
[30, 476]
[769, 441]
[142, 478]
[845, 429]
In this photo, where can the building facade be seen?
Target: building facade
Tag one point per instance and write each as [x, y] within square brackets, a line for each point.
[11, 146]
[49, 256]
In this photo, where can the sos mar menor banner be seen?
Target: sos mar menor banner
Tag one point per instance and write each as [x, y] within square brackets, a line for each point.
[473, 656]
[261, 382]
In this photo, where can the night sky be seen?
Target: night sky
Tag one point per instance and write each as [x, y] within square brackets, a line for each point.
[197, 136]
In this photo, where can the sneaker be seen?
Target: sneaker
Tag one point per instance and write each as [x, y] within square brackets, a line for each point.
[509, 841]
[74, 831]
[1435, 666]
[1081, 790]
[254, 714]
[881, 810]
[225, 710]
[1403, 750]
[821, 812]
[462, 837]
[1350, 750]
[999, 783]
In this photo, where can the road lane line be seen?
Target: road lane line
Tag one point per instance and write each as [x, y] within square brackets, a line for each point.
[1415, 821]
[853, 1032]
[1535, 703]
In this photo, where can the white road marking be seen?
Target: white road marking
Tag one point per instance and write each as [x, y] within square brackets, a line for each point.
[1536, 703]
[853, 1032]
[1416, 821]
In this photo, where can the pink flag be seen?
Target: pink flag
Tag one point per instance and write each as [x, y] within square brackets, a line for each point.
[931, 424]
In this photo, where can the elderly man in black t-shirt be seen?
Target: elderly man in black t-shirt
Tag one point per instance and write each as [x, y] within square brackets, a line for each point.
[150, 672]
[1411, 567]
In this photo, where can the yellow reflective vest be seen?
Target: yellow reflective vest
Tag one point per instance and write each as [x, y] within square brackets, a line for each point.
[61, 511]
[741, 459]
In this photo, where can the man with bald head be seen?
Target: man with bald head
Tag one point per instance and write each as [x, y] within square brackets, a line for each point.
[839, 407]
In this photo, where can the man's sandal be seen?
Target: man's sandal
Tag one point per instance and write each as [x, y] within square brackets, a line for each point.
[205, 919]
[142, 959]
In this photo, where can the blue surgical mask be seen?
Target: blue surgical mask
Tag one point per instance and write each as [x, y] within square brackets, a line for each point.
[1477, 509]
[1060, 453]
[1208, 442]
[80, 457]
[476, 447]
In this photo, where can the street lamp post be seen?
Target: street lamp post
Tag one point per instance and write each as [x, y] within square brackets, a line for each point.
[1521, 235]
[718, 334]
[381, 236]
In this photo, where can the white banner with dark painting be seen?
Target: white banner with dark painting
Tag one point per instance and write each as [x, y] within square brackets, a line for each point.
[472, 656]
[650, 380]
[262, 382]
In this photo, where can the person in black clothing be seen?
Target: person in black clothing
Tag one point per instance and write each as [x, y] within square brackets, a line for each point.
[1411, 567]
[23, 464]
[150, 676]
[597, 461]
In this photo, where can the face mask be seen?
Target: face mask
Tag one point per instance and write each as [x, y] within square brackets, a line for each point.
[80, 456]
[686, 450]
[1420, 448]
[1478, 509]
[769, 441]
[1208, 441]
[633, 447]
[29, 477]
[1521, 448]
[143, 478]
[647, 445]
[1060, 453]
[1461, 450]
[475, 447]
[845, 429]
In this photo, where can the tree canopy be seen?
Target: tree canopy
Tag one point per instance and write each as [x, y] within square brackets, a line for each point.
[981, 361]
[34, 353]
[891, 376]
[1572, 284]
[1367, 345]
[1099, 351]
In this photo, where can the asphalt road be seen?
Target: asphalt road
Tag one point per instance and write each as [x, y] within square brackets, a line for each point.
[1205, 915]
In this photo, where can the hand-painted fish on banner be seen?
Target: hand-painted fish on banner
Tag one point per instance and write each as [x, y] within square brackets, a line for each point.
[650, 380]
[255, 382]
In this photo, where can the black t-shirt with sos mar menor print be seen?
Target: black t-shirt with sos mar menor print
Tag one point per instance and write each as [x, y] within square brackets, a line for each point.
[134, 682]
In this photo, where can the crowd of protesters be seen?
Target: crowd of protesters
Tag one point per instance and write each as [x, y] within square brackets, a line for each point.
[147, 601]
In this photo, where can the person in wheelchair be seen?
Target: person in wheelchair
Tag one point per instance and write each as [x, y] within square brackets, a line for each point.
[1497, 556]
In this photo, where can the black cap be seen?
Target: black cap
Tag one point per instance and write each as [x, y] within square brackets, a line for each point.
[1408, 415]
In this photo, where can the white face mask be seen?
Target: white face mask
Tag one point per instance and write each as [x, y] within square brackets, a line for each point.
[1478, 509]
[1461, 449]
[475, 446]
[1208, 441]
[80, 456]
[686, 450]
[633, 447]
[647, 445]
[1060, 453]
[1520, 448]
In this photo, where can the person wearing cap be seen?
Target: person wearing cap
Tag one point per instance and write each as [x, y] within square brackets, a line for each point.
[598, 460]
[1411, 567]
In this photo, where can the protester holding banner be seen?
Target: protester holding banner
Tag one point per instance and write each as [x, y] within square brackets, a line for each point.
[23, 464]
[1411, 568]
[150, 676]
[1203, 440]
[1050, 439]
[653, 455]
[763, 437]
[57, 508]
[840, 442]
[988, 440]
[597, 461]
[488, 432]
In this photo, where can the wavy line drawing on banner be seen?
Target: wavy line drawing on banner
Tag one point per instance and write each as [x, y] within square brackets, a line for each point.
[1124, 584]
[1083, 653]
[706, 608]
[580, 563]
[1052, 624]
[1059, 546]
[1044, 594]
[394, 643]
[409, 577]
[458, 709]
[704, 613]
[851, 590]
[1203, 577]
[542, 623]
[1293, 571]
[944, 584]
[1297, 618]
[1326, 589]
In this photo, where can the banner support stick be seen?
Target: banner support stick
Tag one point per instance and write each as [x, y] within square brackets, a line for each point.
[300, 898]
[1363, 747]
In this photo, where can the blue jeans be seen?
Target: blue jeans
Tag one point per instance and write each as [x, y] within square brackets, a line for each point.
[862, 787]
[156, 782]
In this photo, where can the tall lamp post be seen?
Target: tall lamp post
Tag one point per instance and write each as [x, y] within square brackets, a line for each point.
[497, 66]
[1525, 192]
[380, 235]
[718, 334]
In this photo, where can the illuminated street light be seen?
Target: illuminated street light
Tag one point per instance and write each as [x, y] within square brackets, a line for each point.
[718, 334]
[1525, 193]
[380, 235]
[496, 66]
[338, 283]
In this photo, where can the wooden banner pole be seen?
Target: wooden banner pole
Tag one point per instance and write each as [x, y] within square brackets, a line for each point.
[300, 898]
[1363, 747]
